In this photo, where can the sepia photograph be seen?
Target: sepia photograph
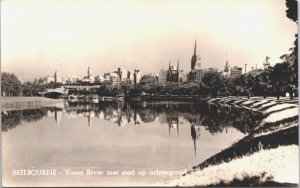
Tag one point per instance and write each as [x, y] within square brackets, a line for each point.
[159, 93]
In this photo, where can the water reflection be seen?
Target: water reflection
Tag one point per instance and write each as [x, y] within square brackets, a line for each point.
[195, 133]
[214, 118]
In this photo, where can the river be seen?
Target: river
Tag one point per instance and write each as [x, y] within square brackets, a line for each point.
[115, 143]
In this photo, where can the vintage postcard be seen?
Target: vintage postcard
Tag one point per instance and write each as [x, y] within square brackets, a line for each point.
[149, 93]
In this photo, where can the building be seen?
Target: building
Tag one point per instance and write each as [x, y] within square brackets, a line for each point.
[111, 77]
[137, 75]
[73, 79]
[256, 71]
[204, 71]
[195, 75]
[106, 77]
[98, 79]
[58, 78]
[227, 67]
[173, 73]
[196, 72]
[226, 71]
[123, 74]
[195, 58]
[182, 76]
[266, 63]
[88, 78]
[236, 71]
[162, 76]
[130, 76]
[48, 79]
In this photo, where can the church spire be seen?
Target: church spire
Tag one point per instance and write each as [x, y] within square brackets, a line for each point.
[194, 57]
[195, 47]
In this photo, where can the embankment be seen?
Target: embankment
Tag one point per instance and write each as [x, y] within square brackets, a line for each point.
[19, 103]
[267, 156]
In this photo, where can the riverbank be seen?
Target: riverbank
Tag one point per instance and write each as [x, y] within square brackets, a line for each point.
[266, 157]
[20, 103]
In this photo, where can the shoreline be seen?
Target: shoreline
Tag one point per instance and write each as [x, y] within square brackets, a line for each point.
[271, 149]
[20, 103]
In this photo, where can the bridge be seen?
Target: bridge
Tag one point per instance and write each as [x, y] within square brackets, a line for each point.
[55, 93]
[64, 90]
[81, 88]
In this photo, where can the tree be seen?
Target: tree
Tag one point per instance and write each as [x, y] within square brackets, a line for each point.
[213, 83]
[237, 85]
[247, 82]
[292, 13]
[292, 10]
[10, 84]
[147, 84]
[125, 87]
[263, 83]
[280, 77]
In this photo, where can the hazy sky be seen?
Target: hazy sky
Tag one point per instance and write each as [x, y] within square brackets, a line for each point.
[39, 36]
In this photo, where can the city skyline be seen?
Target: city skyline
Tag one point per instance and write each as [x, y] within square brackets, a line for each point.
[39, 37]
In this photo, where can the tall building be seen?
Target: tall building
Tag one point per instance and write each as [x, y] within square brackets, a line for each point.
[123, 73]
[266, 63]
[226, 66]
[198, 74]
[137, 75]
[162, 76]
[58, 78]
[89, 72]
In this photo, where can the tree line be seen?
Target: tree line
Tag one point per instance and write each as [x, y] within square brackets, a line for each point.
[274, 81]
[11, 86]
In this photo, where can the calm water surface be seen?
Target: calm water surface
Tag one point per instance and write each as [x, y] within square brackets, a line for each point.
[140, 139]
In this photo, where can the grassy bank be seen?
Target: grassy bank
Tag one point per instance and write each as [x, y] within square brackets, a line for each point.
[18, 103]
[267, 156]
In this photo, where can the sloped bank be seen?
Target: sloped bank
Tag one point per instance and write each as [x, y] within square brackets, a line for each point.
[268, 156]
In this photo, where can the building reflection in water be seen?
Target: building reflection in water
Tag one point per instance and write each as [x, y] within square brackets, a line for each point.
[215, 119]
[195, 133]
[172, 120]
[119, 113]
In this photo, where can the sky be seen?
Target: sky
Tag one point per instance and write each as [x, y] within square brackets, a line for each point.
[41, 36]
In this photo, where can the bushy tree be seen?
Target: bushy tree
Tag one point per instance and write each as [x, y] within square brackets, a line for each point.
[213, 83]
[10, 84]
[280, 77]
